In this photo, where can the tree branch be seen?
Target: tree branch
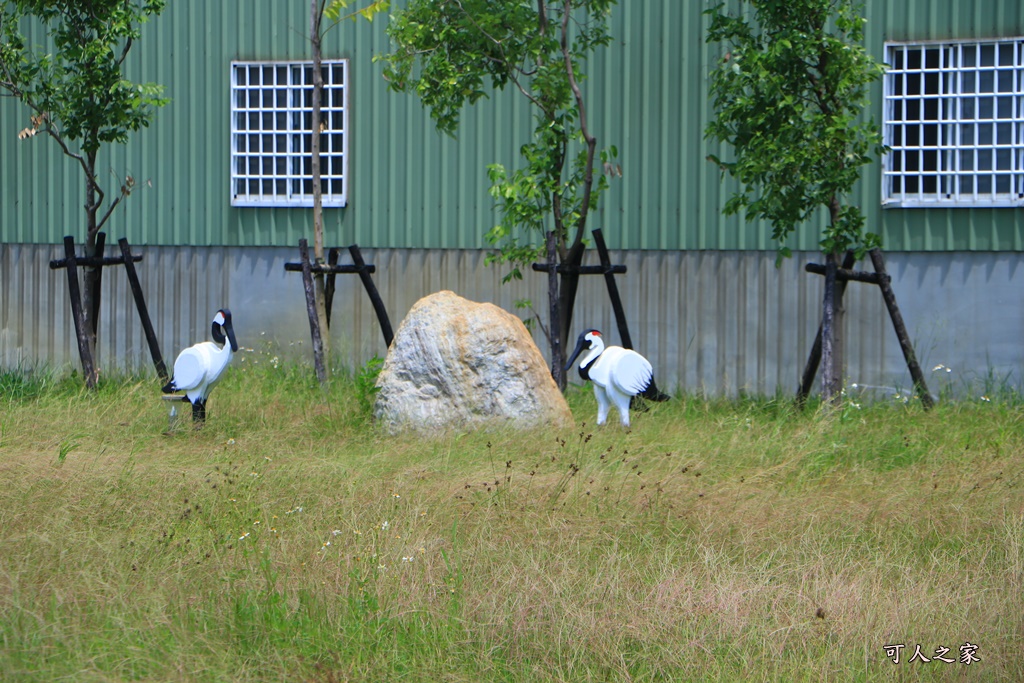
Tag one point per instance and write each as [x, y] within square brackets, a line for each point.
[590, 139]
[124, 52]
[125, 191]
[526, 93]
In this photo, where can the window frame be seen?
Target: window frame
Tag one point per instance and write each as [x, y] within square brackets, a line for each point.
[291, 129]
[954, 161]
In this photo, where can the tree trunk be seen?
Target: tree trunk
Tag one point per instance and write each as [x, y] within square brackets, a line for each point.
[829, 370]
[832, 322]
[839, 335]
[91, 274]
[315, 331]
[814, 359]
[555, 316]
[318, 227]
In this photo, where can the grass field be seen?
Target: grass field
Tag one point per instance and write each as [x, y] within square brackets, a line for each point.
[290, 540]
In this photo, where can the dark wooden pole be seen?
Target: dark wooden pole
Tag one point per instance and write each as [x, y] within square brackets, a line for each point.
[554, 322]
[811, 369]
[332, 260]
[901, 329]
[314, 319]
[140, 303]
[57, 263]
[844, 274]
[829, 372]
[652, 393]
[92, 316]
[613, 289]
[371, 291]
[75, 293]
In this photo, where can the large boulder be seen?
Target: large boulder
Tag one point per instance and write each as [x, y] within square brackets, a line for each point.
[456, 363]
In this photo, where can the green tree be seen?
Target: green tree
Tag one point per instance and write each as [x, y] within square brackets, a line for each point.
[446, 52]
[789, 95]
[80, 98]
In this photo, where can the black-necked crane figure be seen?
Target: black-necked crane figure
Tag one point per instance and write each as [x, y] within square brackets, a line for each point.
[199, 367]
[618, 374]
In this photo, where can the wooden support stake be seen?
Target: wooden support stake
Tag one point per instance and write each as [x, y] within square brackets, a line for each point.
[613, 289]
[652, 393]
[811, 369]
[327, 269]
[94, 320]
[371, 290]
[562, 268]
[76, 312]
[140, 303]
[57, 264]
[844, 274]
[314, 321]
[901, 329]
[332, 262]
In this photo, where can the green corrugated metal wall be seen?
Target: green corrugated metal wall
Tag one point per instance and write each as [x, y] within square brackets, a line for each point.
[410, 186]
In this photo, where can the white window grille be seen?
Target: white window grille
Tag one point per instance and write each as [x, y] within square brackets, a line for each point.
[954, 120]
[271, 133]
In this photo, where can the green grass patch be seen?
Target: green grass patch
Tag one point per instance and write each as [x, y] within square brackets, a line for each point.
[292, 539]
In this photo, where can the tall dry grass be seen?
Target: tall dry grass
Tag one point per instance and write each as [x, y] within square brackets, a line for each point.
[291, 540]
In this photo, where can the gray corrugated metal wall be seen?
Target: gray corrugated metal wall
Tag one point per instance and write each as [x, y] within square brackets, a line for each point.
[715, 321]
[413, 188]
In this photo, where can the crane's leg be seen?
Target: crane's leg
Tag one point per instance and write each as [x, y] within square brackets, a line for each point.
[621, 402]
[199, 412]
[602, 404]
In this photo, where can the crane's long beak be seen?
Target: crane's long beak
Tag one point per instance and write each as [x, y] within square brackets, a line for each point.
[231, 335]
[575, 353]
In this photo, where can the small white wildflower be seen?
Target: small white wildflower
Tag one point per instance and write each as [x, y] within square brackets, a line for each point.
[335, 532]
[408, 559]
[385, 525]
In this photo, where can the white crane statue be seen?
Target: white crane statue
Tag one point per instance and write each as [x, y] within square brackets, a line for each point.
[199, 367]
[618, 374]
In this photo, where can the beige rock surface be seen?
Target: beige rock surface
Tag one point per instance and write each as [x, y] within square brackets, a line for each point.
[456, 363]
